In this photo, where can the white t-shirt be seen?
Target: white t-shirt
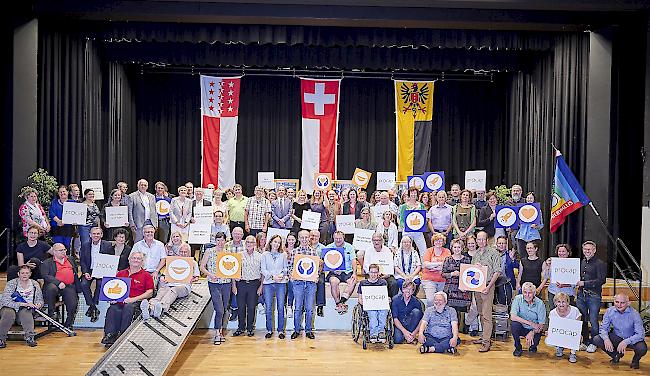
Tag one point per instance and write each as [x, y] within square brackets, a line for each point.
[574, 313]
[152, 254]
[384, 259]
[145, 203]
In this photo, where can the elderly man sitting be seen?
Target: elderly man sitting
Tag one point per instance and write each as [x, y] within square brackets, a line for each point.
[407, 313]
[528, 315]
[622, 328]
[439, 327]
[168, 292]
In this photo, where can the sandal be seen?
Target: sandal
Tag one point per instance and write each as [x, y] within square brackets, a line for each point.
[426, 349]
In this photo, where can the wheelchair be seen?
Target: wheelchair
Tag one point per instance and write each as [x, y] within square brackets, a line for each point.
[361, 330]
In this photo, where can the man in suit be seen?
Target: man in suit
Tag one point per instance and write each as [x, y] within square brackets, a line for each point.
[142, 210]
[87, 258]
[281, 210]
[61, 279]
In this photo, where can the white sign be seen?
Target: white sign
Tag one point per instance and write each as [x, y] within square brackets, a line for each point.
[475, 180]
[363, 239]
[117, 216]
[105, 265]
[199, 233]
[564, 333]
[74, 213]
[203, 215]
[271, 232]
[375, 298]
[385, 181]
[208, 193]
[378, 212]
[345, 223]
[565, 270]
[95, 185]
[266, 180]
[310, 220]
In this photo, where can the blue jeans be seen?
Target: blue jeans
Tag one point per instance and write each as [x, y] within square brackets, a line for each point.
[376, 321]
[304, 293]
[220, 294]
[84, 234]
[279, 291]
[410, 322]
[589, 306]
[290, 294]
[518, 331]
[440, 344]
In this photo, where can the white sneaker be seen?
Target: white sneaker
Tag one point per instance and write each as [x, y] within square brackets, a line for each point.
[583, 347]
[289, 312]
[157, 309]
[591, 348]
[144, 307]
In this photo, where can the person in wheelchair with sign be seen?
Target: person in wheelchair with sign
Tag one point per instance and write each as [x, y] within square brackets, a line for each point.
[374, 326]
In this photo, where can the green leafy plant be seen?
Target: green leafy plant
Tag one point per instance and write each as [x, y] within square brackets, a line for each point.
[502, 192]
[45, 185]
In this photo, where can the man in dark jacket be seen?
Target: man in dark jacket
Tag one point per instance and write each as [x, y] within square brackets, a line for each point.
[60, 276]
[88, 259]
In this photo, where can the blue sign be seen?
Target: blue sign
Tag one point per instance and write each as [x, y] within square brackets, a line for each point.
[415, 220]
[530, 213]
[415, 181]
[333, 258]
[506, 216]
[115, 289]
[434, 181]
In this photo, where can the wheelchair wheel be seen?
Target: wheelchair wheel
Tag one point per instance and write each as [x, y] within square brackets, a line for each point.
[356, 323]
[390, 330]
[364, 344]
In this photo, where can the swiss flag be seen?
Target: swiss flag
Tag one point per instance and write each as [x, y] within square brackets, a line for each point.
[320, 119]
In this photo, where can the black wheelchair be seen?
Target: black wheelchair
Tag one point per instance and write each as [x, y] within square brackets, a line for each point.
[361, 327]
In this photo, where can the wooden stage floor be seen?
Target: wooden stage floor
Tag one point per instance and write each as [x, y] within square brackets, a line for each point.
[330, 353]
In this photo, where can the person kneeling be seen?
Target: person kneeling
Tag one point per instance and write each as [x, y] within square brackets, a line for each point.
[376, 318]
[528, 315]
[168, 292]
[439, 327]
[407, 313]
[120, 315]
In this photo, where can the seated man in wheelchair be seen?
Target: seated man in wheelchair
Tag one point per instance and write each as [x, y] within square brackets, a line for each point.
[439, 327]
[376, 318]
[407, 313]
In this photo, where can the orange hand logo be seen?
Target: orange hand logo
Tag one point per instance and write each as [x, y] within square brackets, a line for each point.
[116, 289]
[415, 221]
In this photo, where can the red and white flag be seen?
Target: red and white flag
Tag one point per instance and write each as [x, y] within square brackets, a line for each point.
[320, 121]
[219, 117]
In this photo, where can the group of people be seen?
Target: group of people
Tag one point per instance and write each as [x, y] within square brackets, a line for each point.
[460, 230]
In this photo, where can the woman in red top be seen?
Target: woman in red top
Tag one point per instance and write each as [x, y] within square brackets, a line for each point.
[432, 279]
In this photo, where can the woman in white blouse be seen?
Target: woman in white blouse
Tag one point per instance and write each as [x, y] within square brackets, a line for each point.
[181, 212]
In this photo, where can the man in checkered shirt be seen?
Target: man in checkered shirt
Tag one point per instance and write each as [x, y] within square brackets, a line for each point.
[257, 212]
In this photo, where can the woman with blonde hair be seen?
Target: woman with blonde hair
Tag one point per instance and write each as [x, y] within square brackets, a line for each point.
[274, 283]
[300, 205]
[181, 212]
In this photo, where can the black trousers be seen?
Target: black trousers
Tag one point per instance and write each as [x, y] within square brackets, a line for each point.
[640, 348]
[92, 298]
[247, 303]
[119, 317]
[70, 300]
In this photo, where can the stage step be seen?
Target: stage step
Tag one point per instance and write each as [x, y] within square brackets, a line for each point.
[150, 347]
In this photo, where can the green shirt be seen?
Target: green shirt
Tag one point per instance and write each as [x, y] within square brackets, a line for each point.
[490, 258]
[236, 208]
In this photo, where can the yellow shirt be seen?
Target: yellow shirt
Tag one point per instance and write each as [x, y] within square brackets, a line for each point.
[236, 209]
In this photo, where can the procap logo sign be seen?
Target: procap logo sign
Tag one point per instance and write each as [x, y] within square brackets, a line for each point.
[415, 220]
[472, 277]
[416, 181]
[305, 268]
[435, 181]
[333, 259]
[115, 289]
[361, 177]
[228, 265]
[322, 181]
[162, 207]
[179, 269]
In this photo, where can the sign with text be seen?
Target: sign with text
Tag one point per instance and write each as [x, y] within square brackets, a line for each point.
[375, 298]
[199, 233]
[475, 180]
[202, 215]
[114, 289]
[287, 183]
[105, 265]
[310, 220]
[117, 216]
[179, 269]
[345, 223]
[208, 194]
[228, 265]
[266, 180]
[472, 277]
[305, 268]
[565, 270]
[96, 186]
[564, 333]
[384, 260]
[363, 239]
[385, 180]
[434, 181]
[378, 211]
[271, 232]
[74, 213]
[333, 258]
[506, 216]
[361, 178]
[415, 181]
[323, 181]
[415, 220]
[530, 213]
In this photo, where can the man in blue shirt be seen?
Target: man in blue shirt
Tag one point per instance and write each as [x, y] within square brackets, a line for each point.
[348, 275]
[528, 315]
[626, 331]
[407, 313]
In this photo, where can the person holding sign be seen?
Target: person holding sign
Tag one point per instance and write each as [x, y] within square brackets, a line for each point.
[376, 317]
[180, 212]
[463, 215]
[257, 212]
[319, 204]
[31, 212]
[274, 271]
[622, 328]
[120, 315]
[335, 277]
[566, 311]
[439, 327]
[163, 201]
[458, 299]
[389, 229]
[412, 203]
[168, 290]
[220, 288]
[382, 256]
[299, 206]
[92, 217]
[561, 251]
[304, 292]
[61, 233]
[88, 258]
[115, 200]
[439, 216]
[528, 315]
[528, 232]
[61, 279]
[248, 288]
[154, 251]
[491, 259]
[30, 292]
